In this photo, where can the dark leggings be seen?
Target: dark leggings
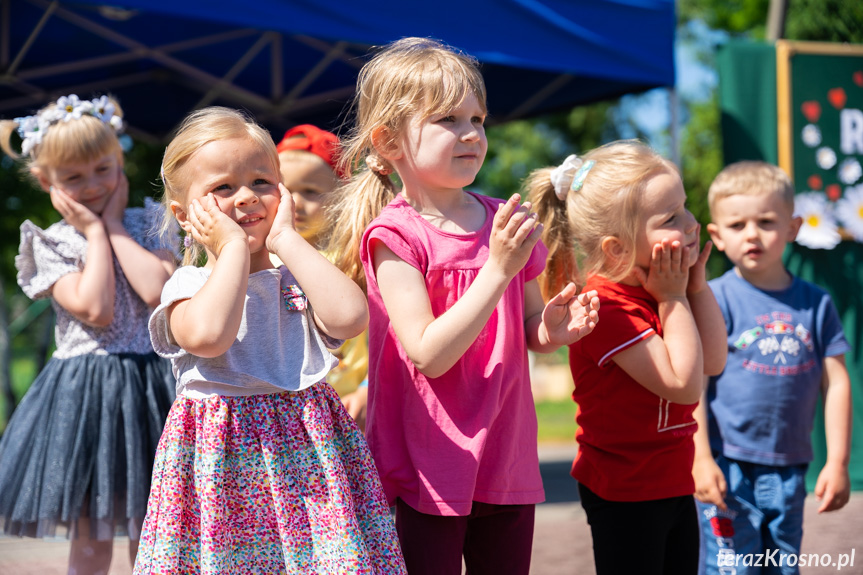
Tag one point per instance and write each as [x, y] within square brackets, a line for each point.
[657, 537]
[494, 539]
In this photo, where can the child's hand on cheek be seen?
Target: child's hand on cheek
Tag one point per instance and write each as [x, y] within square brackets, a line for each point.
[74, 213]
[211, 228]
[698, 271]
[284, 221]
[668, 275]
[115, 207]
[514, 234]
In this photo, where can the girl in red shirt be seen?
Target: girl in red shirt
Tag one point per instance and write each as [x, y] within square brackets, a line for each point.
[621, 211]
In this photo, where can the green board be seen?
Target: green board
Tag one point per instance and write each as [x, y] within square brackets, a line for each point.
[822, 86]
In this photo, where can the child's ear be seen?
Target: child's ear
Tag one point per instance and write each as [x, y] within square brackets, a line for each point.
[385, 144]
[42, 178]
[612, 248]
[180, 213]
[713, 230]
[796, 222]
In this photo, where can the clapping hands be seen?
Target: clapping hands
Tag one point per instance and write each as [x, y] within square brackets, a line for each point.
[568, 317]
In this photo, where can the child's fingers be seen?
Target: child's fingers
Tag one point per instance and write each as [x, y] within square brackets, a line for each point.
[676, 255]
[705, 253]
[589, 299]
[505, 211]
[565, 295]
[527, 227]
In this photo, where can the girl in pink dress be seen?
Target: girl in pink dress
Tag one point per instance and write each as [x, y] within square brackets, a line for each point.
[454, 305]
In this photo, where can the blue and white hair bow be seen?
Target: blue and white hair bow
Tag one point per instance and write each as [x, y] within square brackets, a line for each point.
[570, 175]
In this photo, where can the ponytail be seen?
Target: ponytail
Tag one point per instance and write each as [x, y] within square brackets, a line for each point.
[7, 128]
[561, 266]
[349, 211]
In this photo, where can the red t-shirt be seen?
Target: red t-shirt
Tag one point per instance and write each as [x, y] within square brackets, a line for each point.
[633, 445]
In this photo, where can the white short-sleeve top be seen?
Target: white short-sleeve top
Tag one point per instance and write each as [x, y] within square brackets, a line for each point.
[278, 346]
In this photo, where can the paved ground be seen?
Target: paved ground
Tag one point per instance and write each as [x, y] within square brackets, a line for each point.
[562, 543]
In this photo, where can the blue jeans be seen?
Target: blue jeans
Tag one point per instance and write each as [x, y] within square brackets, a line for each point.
[763, 525]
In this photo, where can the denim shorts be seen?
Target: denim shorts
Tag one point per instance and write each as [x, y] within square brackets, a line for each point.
[763, 525]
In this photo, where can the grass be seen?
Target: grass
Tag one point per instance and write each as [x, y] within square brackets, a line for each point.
[556, 420]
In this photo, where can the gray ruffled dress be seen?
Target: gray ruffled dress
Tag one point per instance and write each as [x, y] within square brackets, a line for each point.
[86, 431]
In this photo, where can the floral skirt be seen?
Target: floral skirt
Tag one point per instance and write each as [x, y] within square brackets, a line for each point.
[280, 483]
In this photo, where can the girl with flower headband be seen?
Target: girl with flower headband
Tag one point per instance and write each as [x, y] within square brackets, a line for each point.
[260, 469]
[451, 279]
[620, 212]
[78, 451]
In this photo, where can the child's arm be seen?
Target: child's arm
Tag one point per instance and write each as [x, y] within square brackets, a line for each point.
[88, 295]
[339, 305]
[708, 316]
[207, 324]
[435, 344]
[670, 366]
[566, 318]
[146, 271]
[834, 486]
[710, 485]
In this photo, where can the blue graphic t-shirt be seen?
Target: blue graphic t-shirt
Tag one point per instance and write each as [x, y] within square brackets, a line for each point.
[761, 408]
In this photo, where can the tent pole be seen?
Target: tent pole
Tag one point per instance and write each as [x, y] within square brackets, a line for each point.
[674, 129]
[776, 20]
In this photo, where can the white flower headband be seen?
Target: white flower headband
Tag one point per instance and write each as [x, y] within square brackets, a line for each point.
[570, 175]
[32, 128]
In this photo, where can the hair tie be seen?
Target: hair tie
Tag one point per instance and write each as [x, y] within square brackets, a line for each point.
[188, 241]
[570, 175]
[377, 166]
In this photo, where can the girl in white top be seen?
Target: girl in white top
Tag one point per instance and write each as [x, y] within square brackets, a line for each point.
[260, 467]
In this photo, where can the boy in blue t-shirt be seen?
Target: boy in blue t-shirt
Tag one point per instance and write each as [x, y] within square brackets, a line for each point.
[785, 346]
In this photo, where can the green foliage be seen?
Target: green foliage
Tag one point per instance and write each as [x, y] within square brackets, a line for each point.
[702, 160]
[517, 148]
[734, 16]
[825, 21]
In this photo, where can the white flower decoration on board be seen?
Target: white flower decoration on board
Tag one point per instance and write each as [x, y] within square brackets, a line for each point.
[811, 135]
[849, 211]
[819, 229]
[850, 171]
[825, 158]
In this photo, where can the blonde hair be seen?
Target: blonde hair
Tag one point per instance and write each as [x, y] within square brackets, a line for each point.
[409, 78]
[607, 205]
[199, 129]
[76, 141]
[751, 178]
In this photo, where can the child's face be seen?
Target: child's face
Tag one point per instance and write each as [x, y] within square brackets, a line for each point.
[664, 215]
[243, 181]
[89, 183]
[309, 179]
[753, 230]
[444, 151]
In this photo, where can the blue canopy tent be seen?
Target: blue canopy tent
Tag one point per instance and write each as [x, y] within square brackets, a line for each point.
[294, 61]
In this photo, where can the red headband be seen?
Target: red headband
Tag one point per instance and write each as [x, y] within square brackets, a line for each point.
[312, 139]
